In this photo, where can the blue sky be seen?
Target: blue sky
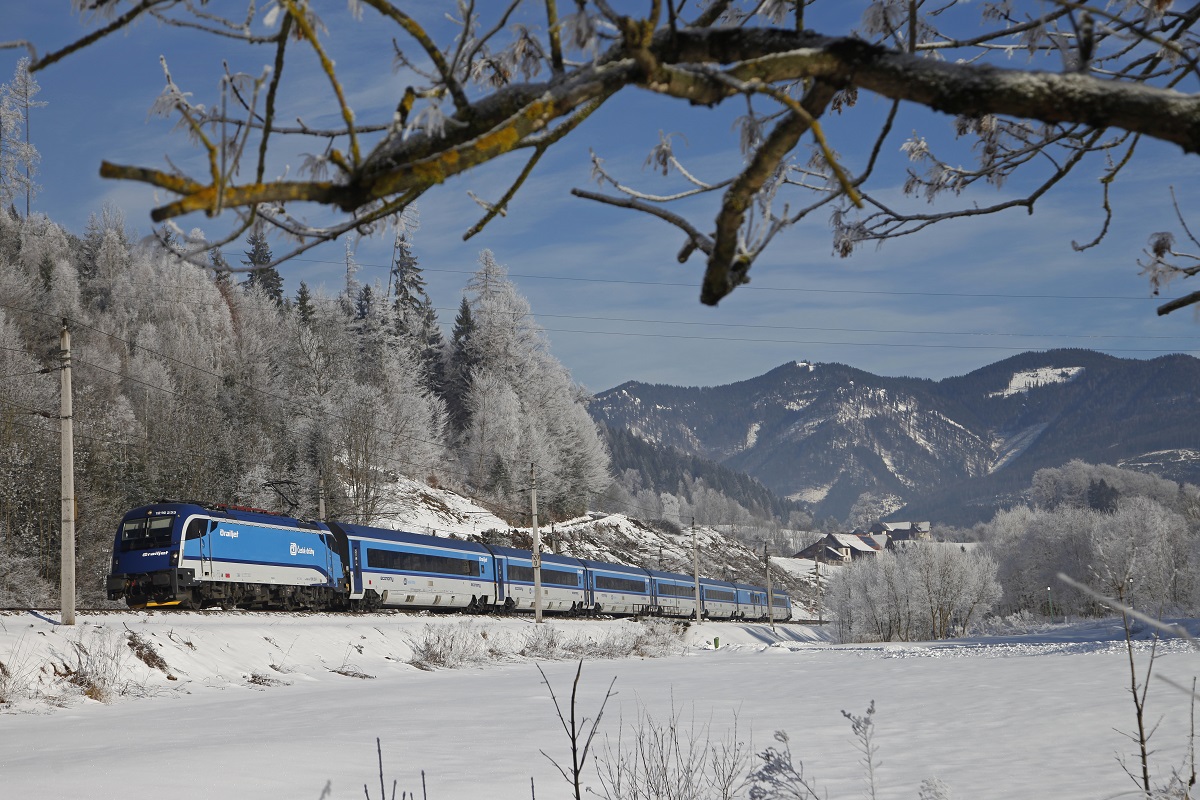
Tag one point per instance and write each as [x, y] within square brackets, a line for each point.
[604, 282]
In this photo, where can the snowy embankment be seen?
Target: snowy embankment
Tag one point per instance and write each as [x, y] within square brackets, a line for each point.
[254, 704]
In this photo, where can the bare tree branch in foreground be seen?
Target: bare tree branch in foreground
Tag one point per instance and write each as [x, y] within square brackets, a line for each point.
[522, 75]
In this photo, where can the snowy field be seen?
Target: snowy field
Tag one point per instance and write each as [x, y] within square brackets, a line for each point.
[289, 706]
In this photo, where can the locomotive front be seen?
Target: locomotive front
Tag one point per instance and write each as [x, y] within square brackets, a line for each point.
[145, 558]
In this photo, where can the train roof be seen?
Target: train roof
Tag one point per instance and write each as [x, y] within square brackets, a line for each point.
[547, 558]
[407, 537]
[715, 582]
[239, 513]
[611, 567]
[675, 576]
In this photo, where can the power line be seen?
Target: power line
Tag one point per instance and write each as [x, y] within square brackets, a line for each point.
[446, 324]
[760, 288]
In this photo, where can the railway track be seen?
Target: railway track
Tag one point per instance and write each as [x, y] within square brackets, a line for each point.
[51, 612]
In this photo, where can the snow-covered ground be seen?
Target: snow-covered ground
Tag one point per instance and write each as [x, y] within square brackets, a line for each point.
[277, 705]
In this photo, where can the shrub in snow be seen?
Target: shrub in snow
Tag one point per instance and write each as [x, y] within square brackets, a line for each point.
[450, 646]
[659, 638]
[95, 665]
[544, 641]
[673, 759]
[18, 674]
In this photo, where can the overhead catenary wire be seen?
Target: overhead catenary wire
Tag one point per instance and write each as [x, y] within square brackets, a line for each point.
[834, 329]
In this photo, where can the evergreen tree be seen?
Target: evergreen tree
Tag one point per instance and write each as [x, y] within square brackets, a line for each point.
[406, 278]
[364, 305]
[222, 272]
[459, 365]
[1102, 497]
[262, 276]
[414, 319]
[433, 351]
[304, 303]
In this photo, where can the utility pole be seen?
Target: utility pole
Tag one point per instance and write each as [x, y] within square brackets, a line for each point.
[770, 591]
[820, 597]
[537, 547]
[696, 568]
[67, 580]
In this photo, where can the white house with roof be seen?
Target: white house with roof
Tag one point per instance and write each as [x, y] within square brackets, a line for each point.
[841, 548]
[902, 531]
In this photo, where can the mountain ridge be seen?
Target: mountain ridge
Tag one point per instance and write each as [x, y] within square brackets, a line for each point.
[960, 446]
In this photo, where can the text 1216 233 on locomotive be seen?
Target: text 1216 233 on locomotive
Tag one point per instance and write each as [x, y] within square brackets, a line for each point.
[188, 555]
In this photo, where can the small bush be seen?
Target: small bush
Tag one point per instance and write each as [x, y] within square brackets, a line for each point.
[259, 679]
[146, 653]
[659, 638]
[544, 641]
[449, 646]
[674, 759]
[18, 674]
[95, 665]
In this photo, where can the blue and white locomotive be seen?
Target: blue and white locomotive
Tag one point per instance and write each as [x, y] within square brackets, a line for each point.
[196, 556]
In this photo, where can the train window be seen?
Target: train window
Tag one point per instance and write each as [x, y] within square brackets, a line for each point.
[196, 528]
[676, 590]
[719, 594]
[781, 601]
[143, 534]
[555, 577]
[619, 584]
[422, 562]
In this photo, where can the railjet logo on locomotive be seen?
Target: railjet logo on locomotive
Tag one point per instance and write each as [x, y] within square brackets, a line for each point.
[191, 555]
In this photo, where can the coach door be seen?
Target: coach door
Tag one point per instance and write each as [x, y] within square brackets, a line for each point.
[206, 549]
[501, 578]
[330, 558]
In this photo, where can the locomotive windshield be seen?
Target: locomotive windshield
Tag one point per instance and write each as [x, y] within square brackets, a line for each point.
[142, 534]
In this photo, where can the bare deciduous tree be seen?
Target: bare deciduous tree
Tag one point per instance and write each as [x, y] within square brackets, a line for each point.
[1036, 88]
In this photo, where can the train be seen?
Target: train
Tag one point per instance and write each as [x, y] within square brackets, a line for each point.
[194, 555]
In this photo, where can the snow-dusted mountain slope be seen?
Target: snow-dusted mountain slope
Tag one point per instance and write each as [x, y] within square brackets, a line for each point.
[826, 433]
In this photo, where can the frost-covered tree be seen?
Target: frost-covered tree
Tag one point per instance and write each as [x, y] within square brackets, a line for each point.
[28, 461]
[831, 95]
[930, 590]
[18, 156]
[1142, 549]
[520, 404]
